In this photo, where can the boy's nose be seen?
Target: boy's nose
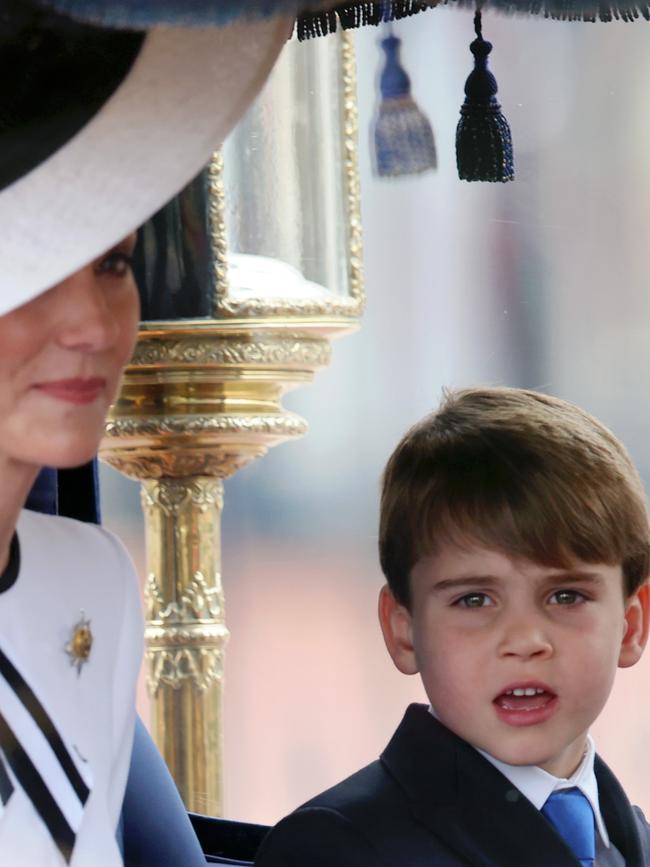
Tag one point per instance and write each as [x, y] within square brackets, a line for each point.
[84, 317]
[525, 639]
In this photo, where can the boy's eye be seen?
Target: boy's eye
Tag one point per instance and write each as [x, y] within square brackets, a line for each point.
[117, 263]
[474, 600]
[566, 597]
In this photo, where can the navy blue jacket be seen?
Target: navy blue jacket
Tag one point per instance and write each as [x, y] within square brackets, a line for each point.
[431, 800]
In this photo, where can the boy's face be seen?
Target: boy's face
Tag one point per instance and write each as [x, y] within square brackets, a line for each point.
[483, 627]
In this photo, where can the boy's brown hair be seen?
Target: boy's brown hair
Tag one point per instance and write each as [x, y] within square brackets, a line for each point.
[518, 471]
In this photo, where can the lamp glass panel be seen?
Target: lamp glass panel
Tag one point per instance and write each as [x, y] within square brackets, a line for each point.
[286, 200]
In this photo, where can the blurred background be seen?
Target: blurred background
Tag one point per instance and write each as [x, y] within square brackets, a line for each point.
[540, 283]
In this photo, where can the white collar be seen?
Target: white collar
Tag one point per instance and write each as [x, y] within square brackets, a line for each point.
[537, 784]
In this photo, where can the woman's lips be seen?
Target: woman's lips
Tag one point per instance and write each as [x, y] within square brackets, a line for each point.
[537, 704]
[76, 390]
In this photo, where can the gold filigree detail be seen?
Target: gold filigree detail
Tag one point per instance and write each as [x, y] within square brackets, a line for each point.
[271, 425]
[151, 464]
[200, 601]
[173, 495]
[258, 308]
[217, 226]
[222, 350]
[184, 606]
[200, 666]
[352, 179]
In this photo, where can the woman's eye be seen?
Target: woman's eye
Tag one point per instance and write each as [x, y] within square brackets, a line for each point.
[116, 263]
[567, 597]
[474, 600]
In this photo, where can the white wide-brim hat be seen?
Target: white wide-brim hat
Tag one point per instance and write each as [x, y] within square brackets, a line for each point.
[81, 189]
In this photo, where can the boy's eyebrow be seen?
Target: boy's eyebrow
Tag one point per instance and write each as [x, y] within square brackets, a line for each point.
[570, 575]
[575, 576]
[464, 581]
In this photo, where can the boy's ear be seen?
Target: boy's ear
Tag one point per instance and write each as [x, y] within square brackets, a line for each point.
[637, 621]
[397, 627]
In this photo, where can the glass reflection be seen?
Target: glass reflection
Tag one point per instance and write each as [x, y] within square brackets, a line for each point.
[284, 181]
[172, 258]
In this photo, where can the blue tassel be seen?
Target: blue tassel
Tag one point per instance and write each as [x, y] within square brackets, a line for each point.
[404, 142]
[483, 138]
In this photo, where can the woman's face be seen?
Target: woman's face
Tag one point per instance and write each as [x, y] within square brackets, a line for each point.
[61, 356]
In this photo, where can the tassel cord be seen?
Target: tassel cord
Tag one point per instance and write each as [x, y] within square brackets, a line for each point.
[481, 86]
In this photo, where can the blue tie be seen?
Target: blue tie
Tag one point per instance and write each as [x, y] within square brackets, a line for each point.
[570, 813]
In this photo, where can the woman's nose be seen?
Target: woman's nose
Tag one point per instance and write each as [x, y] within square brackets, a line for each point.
[83, 316]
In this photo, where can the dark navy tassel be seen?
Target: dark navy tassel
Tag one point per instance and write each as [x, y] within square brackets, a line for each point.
[403, 136]
[483, 139]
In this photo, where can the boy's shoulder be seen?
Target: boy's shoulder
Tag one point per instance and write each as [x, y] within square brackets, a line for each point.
[378, 786]
[363, 821]
[627, 826]
[431, 798]
[373, 818]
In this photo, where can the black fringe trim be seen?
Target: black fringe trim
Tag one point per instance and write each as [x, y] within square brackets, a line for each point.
[362, 13]
[571, 10]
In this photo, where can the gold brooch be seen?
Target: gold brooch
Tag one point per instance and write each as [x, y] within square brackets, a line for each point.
[80, 644]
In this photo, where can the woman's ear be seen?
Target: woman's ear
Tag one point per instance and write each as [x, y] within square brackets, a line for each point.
[637, 621]
[397, 627]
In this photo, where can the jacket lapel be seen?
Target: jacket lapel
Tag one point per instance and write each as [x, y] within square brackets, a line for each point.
[465, 802]
[619, 817]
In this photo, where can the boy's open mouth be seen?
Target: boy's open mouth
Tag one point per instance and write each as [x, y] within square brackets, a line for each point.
[526, 704]
[524, 698]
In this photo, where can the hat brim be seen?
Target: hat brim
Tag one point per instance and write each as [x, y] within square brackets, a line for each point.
[186, 90]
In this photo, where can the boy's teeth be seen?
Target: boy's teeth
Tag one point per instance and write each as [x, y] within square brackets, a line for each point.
[529, 690]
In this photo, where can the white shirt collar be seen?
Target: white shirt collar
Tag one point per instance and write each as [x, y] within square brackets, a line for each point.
[537, 784]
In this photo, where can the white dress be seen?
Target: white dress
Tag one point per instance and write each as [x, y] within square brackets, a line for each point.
[69, 571]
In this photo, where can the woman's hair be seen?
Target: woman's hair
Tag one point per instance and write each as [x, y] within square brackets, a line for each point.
[516, 471]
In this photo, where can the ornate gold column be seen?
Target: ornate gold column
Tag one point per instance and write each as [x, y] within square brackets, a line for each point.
[202, 398]
[186, 631]
[197, 404]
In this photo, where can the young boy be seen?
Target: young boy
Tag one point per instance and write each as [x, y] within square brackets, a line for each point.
[514, 539]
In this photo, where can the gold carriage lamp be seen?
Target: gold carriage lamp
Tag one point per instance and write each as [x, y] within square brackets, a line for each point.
[245, 278]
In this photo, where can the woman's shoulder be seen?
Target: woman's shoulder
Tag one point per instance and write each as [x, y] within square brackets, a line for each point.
[70, 571]
[41, 529]
[76, 550]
